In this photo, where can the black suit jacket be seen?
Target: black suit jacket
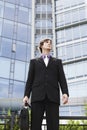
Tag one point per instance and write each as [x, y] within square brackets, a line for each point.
[44, 80]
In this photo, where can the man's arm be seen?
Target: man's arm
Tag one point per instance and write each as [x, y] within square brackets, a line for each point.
[63, 83]
[28, 87]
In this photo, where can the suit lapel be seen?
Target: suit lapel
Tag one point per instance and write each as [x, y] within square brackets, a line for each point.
[50, 61]
[42, 61]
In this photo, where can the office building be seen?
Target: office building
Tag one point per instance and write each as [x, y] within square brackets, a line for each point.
[15, 50]
[22, 25]
[71, 46]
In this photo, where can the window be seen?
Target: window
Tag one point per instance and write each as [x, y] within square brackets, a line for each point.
[69, 51]
[77, 50]
[76, 70]
[0, 26]
[67, 17]
[30, 15]
[79, 69]
[23, 15]
[9, 11]
[38, 8]
[74, 2]
[85, 68]
[22, 32]
[59, 52]
[76, 32]
[49, 24]
[38, 24]
[7, 29]
[78, 89]
[67, 3]
[13, 1]
[44, 23]
[75, 15]
[83, 30]
[19, 73]
[1, 8]
[4, 84]
[60, 19]
[59, 37]
[26, 3]
[29, 34]
[59, 5]
[71, 71]
[38, 1]
[82, 13]
[18, 89]
[21, 51]
[4, 67]
[68, 34]
[44, 8]
[27, 70]
[49, 8]
[6, 46]
[84, 48]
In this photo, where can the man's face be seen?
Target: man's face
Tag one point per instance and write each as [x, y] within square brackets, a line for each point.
[47, 45]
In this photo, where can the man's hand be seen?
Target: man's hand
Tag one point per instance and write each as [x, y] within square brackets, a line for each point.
[65, 98]
[25, 99]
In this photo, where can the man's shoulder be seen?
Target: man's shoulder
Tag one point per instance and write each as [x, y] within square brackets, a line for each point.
[56, 59]
[35, 59]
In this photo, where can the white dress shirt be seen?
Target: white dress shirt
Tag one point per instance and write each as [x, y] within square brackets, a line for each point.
[46, 60]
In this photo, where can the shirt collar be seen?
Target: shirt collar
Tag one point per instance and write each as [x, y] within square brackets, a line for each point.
[44, 56]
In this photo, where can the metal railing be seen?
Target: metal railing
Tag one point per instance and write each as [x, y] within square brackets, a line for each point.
[10, 120]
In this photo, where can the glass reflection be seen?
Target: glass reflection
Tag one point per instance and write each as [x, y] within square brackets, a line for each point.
[19, 73]
[4, 84]
[75, 15]
[4, 64]
[23, 15]
[68, 34]
[13, 1]
[75, 34]
[26, 3]
[78, 86]
[6, 46]
[28, 52]
[83, 30]
[1, 8]
[27, 69]
[9, 11]
[18, 89]
[84, 48]
[67, 17]
[0, 26]
[21, 51]
[7, 29]
[82, 13]
[22, 32]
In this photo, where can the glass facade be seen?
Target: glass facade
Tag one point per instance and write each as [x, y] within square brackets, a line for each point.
[15, 50]
[71, 46]
[17, 18]
[43, 21]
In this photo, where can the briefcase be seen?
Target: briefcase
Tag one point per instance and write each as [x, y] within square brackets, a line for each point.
[24, 118]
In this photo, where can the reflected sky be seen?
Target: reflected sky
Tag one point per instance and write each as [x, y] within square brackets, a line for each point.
[15, 29]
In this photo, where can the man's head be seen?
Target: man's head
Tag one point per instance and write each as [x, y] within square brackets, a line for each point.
[45, 44]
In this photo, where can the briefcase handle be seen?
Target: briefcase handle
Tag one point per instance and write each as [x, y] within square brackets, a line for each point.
[26, 105]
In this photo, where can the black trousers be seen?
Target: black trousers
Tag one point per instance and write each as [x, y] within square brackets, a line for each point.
[52, 114]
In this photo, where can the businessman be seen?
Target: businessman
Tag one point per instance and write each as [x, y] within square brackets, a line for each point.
[45, 79]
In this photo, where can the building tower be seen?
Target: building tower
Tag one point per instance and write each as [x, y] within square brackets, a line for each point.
[71, 46]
